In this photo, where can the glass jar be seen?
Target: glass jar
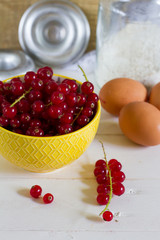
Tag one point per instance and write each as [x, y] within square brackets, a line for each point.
[128, 41]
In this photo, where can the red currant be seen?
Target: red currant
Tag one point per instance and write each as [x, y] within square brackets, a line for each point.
[99, 170]
[82, 120]
[72, 84]
[50, 87]
[87, 88]
[118, 188]
[65, 128]
[57, 97]
[103, 188]
[108, 216]
[102, 198]
[28, 78]
[45, 73]
[48, 198]
[35, 191]
[71, 99]
[118, 176]
[102, 179]
[100, 163]
[9, 112]
[38, 106]
[114, 165]
[54, 111]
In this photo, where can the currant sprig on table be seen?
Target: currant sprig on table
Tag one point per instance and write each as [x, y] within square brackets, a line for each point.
[109, 178]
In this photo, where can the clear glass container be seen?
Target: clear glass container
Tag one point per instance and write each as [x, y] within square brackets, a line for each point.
[128, 41]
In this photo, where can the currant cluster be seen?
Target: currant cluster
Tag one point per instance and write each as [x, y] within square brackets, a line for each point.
[36, 192]
[109, 178]
[37, 105]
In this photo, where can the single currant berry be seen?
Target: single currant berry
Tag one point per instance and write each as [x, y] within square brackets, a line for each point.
[54, 112]
[102, 179]
[23, 106]
[72, 84]
[101, 163]
[37, 132]
[81, 99]
[103, 188]
[35, 123]
[4, 122]
[34, 95]
[65, 128]
[64, 106]
[87, 88]
[118, 176]
[107, 216]
[28, 78]
[114, 165]
[91, 104]
[25, 117]
[9, 112]
[93, 97]
[50, 86]
[66, 118]
[99, 170]
[102, 198]
[45, 73]
[48, 198]
[7, 88]
[17, 88]
[87, 111]
[82, 120]
[57, 97]
[64, 88]
[35, 191]
[71, 99]
[37, 84]
[38, 106]
[118, 188]
[15, 122]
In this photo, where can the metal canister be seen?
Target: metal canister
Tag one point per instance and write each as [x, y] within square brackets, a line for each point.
[13, 63]
[54, 33]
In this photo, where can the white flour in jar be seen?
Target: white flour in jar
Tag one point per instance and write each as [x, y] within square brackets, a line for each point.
[133, 52]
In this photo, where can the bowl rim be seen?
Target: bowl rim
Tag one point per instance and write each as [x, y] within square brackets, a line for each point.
[57, 136]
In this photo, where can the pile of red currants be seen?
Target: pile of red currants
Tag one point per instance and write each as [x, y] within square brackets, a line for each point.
[109, 178]
[37, 105]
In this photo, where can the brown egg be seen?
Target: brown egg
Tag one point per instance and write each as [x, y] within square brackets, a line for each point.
[119, 92]
[154, 97]
[140, 122]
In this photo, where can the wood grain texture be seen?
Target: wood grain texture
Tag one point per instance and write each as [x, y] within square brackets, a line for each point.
[12, 11]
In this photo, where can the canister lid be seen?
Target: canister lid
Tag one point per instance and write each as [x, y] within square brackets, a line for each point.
[54, 32]
[13, 63]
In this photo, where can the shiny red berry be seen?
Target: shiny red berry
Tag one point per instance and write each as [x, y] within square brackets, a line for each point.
[35, 191]
[108, 216]
[118, 188]
[48, 198]
[102, 198]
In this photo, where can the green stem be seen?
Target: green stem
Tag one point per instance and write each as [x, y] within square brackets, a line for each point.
[110, 181]
[77, 116]
[22, 96]
[83, 73]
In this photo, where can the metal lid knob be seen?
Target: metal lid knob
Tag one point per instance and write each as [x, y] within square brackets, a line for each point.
[54, 32]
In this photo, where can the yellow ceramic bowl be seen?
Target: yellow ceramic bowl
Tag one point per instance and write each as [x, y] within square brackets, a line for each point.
[45, 154]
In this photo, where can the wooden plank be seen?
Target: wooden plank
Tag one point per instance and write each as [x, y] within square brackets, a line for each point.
[75, 207]
[11, 12]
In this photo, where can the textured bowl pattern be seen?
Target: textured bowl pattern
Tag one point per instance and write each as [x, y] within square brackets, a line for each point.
[45, 154]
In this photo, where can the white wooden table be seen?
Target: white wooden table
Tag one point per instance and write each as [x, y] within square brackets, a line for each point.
[74, 214]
